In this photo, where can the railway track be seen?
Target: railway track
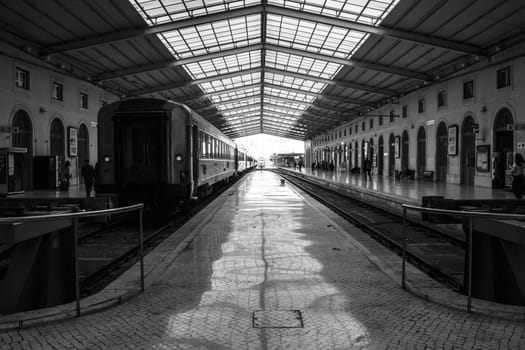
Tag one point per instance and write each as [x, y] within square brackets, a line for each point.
[437, 253]
[107, 253]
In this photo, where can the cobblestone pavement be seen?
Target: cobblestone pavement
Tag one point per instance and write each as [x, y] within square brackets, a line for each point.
[268, 249]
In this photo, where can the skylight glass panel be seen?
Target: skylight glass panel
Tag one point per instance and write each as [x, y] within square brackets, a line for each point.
[286, 104]
[302, 64]
[282, 110]
[231, 82]
[213, 37]
[364, 11]
[235, 95]
[298, 96]
[224, 65]
[247, 109]
[293, 82]
[237, 104]
[161, 11]
[313, 37]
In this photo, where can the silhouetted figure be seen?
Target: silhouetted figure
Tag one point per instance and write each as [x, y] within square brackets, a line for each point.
[368, 169]
[518, 182]
[88, 173]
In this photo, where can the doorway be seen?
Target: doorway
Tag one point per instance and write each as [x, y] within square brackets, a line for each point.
[421, 152]
[503, 145]
[404, 150]
[441, 152]
[391, 156]
[24, 138]
[380, 152]
[468, 154]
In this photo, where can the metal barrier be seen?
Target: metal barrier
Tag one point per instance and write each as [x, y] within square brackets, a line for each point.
[470, 215]
[88, 214]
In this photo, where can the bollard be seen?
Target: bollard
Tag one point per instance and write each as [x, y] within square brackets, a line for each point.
[282, 182]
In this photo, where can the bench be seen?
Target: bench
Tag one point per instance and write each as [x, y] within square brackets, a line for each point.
[428, 175]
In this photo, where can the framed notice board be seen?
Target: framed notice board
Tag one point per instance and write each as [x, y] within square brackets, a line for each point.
[483, 158]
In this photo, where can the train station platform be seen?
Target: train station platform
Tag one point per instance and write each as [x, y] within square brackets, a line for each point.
[394, 192]
[266, 267]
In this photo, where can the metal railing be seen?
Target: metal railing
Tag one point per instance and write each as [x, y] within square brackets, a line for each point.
[88, 214]
[470, 215]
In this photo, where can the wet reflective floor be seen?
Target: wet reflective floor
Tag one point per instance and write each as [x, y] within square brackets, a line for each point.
[270, 270]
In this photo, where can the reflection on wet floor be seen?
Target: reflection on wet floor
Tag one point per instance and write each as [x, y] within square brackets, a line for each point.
[264, 264]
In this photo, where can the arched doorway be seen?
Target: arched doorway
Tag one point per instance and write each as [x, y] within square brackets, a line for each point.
[57, 139]
[83, 144]
[349, 156]
[467, 152]
[503, 146]
[356, 154]
[392, 155]
[380, 153]
[421, 151]
[404, 150]
[24, 138]
[441, 152]
[364, 153]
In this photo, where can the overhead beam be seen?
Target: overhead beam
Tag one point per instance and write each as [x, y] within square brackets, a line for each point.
[173, 63]
[225, 91]
[291, 51]
[170, 86]
[125, 34]
[352, 63]
[269, 9]
[424, 39]
[340, 83]
[270, 128]
[220, 114]
[330, 97]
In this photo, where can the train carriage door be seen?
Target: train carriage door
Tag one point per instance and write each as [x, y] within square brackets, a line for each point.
[196, 141]
[467, 152]
[441, 152]
[503, 144]
[141, 150]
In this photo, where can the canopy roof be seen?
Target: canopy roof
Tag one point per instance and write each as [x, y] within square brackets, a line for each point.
[291, 68]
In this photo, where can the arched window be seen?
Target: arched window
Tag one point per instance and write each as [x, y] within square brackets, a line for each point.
[24, 138]
[83, 144]
[57, 139]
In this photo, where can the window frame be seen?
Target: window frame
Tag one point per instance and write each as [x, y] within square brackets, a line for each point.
[81, 97]
[421, 105]
[25, 79]
[507, 78]
[466, 90]
[57, 84]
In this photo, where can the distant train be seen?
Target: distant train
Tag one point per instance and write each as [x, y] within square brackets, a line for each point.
[162, 153]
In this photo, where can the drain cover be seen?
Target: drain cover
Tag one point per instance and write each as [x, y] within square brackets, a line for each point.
[277, 319]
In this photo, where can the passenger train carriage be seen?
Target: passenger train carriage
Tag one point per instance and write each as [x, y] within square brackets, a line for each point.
[161, 153]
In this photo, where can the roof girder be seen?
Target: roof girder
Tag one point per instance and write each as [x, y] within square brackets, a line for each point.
[272, 9]
[346, 62]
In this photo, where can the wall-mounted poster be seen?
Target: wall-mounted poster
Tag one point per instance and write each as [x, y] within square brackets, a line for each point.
[73, 141]
[482, 158]
[397, 147]
[453, 140]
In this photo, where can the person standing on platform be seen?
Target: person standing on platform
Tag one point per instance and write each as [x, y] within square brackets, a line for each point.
[518, 181]
[88, 173]
[66, 176]
[368, 169]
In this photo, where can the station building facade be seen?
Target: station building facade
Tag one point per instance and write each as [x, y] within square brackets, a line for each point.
[462, 129]
[49, 112]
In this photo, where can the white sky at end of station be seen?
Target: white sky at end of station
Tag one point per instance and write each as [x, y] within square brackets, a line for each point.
[262, 145]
